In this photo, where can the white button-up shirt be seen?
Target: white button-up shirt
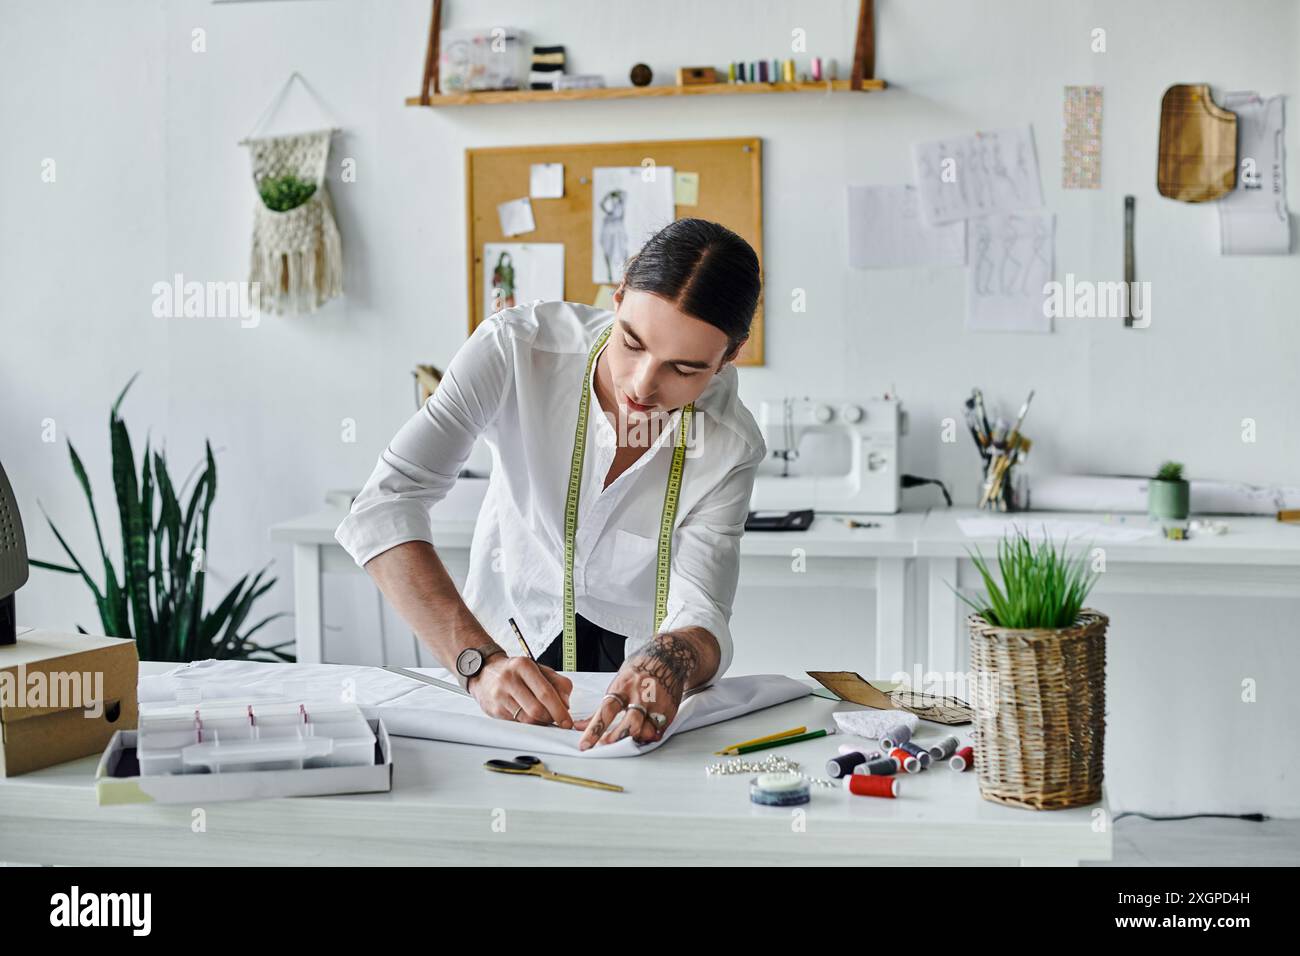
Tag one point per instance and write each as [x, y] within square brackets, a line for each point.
[515, 382]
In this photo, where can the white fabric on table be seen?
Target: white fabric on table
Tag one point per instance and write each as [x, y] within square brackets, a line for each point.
[411, 708]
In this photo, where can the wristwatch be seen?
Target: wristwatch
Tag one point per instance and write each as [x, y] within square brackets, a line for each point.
[470, 661]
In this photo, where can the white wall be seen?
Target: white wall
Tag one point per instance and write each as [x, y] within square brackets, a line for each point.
[150, 183]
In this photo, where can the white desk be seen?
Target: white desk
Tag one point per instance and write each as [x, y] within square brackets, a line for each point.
[445, 808]
[1257, 557]
[830, 553]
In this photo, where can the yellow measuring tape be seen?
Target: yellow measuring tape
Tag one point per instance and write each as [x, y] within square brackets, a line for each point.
[663, 561]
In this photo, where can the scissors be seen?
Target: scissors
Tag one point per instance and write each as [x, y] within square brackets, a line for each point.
[533, 766]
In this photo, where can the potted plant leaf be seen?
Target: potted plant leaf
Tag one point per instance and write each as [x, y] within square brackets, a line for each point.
[157, 597]
[1039, 662]
[1169, 494]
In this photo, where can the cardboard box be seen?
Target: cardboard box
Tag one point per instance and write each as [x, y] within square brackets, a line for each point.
[49, 685]
[118, 779]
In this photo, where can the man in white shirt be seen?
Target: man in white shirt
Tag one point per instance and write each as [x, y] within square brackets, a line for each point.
[601, 504]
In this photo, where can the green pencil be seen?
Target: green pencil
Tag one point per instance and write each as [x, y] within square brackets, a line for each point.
[811, 735]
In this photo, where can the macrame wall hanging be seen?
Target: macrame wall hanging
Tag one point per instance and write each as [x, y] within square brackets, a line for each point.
[297, 254]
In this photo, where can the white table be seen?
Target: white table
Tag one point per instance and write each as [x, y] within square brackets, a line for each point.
[1257, 557]
[445, 808]
[833, 555]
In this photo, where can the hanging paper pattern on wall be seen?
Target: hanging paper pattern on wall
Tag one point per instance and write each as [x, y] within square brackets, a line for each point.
[629, 205]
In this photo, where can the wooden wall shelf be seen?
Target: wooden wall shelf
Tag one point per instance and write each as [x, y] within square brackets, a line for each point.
[625, 92]
[861, 80]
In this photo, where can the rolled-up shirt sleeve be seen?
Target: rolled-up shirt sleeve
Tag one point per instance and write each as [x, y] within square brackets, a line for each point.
[706, 559]
[421, 463]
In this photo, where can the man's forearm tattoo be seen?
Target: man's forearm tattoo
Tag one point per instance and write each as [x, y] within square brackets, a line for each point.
[668, 659]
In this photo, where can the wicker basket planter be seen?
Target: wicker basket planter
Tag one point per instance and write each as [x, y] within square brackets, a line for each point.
[1040, 702]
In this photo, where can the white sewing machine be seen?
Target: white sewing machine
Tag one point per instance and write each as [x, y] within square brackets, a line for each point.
[829, 454]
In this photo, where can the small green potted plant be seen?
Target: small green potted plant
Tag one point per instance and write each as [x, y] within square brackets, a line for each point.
[1169, 494]
[1038, 658]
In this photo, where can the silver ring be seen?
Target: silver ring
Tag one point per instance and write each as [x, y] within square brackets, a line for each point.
[517, 710]
[660, 721]
[621, 702]
[644, 713]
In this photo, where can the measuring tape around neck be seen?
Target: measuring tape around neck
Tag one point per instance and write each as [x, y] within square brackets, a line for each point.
[663, 560]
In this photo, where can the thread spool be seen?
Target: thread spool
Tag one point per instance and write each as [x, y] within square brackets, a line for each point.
[920, 753]
[844, 764]
[817, 68]
[894, 736]
[869, 786]
[945, 748]
[787, 789]
[906, 760]
[963, 759]
[860, 749]
[883, 767]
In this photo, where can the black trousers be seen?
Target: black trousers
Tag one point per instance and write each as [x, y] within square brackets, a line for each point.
[598, 649]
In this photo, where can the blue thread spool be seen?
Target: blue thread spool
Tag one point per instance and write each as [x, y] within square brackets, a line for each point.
[944, 748]
[837, 767]
[920, 753]
[895, 737]
[884, 767]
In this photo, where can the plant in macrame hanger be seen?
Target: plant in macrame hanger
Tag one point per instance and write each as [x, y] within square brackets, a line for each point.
[297, 253]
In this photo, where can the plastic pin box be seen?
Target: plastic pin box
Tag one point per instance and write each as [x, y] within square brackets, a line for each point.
[242, 751]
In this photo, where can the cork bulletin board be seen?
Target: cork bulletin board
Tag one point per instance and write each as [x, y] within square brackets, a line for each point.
[730, 192]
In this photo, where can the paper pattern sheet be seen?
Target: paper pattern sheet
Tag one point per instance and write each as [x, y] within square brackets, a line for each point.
[886, 231]
[1082, 533]
[1253, 218]
[978, 174]
[411, 708]
[518, 272]
[1011, 260]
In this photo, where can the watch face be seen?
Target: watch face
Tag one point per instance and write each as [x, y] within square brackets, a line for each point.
[469, 662]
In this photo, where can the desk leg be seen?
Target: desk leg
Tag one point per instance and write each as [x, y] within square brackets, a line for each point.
[306, 604]
[891, 617]
[944, 650]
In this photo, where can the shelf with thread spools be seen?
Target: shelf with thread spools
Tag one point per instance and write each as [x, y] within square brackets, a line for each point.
[861, 79]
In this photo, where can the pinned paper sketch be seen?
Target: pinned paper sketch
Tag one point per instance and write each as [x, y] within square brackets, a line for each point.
[886, 231]
[1011, 260]
[1081, 147]
[546, 180]
[1253, 218]
[977, 175]
[515, 273]
[516, 217]
[629, 205]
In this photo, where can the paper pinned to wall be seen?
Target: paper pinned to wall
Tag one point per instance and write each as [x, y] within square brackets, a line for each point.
[1081, 148]
[629, 205]
[886, 231]
[686, 189]
[976, 175]
[1253, 218]
[518, 272]
[516, 217]
[1011, 260]
[546, 180]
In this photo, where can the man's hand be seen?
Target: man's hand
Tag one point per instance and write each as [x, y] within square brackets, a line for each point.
[643, 698]
[517, 688]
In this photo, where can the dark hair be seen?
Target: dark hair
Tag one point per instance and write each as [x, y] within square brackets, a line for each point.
[704, 269]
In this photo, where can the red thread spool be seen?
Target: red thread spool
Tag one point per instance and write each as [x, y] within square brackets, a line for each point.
[865, 785]
[963, 759]
[905, 760]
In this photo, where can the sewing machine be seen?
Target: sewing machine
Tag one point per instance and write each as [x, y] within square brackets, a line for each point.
[830, 455]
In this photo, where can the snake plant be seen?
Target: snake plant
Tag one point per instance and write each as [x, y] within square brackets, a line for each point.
[159, 600]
